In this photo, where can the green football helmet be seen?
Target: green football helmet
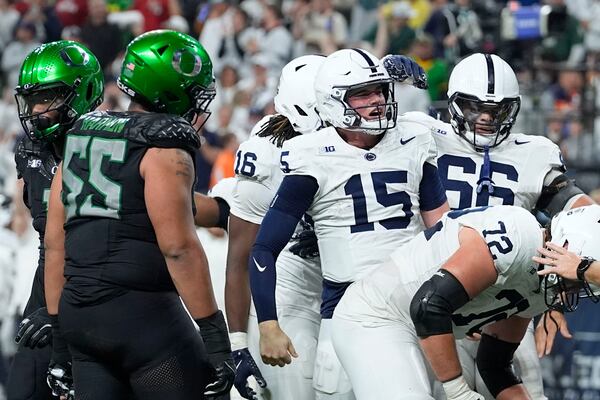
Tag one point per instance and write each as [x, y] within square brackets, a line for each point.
[168, 72]
[59, 82]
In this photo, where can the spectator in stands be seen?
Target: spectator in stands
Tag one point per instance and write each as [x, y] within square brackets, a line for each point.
[276, 41]
[8, 20]
[588, 11]
[422, 11]
[436, 68]
[321, 28]
[43, 16]
[160, 14]
[565, 95]
[392, 35]
[16, 51]
[236, 35]
[101, 37]
[455, 29]
[71, 12]
[564, 32]
[260, 86]
[364, 16]
[224, 163]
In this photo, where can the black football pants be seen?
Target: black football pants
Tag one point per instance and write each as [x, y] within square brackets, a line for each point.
[140, 345]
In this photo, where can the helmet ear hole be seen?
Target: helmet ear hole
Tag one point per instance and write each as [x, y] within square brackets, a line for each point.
[162, 50]
[300, 111]
[90, 91]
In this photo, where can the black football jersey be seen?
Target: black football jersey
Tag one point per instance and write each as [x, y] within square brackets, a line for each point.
[109, 236]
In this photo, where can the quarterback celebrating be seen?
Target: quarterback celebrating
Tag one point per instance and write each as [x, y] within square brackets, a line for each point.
[367, 182]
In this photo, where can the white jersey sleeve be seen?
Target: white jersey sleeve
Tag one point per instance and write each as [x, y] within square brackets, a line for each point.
[257, 178]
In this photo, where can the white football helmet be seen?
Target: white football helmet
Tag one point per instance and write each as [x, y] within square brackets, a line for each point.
[483, 84]
[295, 97]
[578, 228]
[344, 72]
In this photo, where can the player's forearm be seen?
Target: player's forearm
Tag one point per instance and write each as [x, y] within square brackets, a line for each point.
[237, 300]
[441, 352]
[207, 211]
[189, 271]
[54, 279]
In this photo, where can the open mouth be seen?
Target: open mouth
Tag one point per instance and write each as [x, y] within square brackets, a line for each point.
[376, 113]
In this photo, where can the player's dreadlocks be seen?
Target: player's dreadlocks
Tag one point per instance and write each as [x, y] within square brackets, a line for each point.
[279, 128]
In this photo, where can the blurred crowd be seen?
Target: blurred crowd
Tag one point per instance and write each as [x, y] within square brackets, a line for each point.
[553, 46]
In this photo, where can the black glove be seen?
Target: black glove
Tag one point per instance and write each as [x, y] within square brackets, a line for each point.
[245, 367]
[59, 376]
[60, 380]
[216, 340]
[35, 330]
[400, 68]
[307, 246]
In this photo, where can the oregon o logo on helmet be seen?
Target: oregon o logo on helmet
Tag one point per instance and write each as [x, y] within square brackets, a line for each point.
[187, 63]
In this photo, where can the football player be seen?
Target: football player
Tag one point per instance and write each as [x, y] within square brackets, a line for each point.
[567, 263]
[481, 162]
[129, 239]
[472, 272]
[58, 82]
[366, 181]
[258, 175]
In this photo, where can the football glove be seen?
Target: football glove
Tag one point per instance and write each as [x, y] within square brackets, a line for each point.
[59, 376]
[457, 389]
[306, 246]
[405, 69]
[60, 380]
[35, 330]
[245, 366]
[214, 333]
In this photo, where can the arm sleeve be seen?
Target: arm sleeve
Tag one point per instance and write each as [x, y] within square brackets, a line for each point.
[294, 197]
[431, 191]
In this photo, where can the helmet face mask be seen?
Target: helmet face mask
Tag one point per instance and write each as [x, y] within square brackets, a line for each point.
[59, 82]
[345, 74]
[53, 101]
[481, 123]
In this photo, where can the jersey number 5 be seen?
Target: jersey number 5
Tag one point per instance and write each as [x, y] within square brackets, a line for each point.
[354, 188]
[95, 150]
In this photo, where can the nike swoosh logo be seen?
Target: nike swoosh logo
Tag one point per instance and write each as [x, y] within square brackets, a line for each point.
[519, 143]
[258, 267]
[403, 142]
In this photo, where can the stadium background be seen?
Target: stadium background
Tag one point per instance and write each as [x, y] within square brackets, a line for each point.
[553, 45]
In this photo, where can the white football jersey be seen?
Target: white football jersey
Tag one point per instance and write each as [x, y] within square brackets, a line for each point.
[518, 166]
[258, 177]
[367, 202]
[512, 235]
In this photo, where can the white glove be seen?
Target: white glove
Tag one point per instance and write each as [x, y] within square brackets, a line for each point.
[457, 389]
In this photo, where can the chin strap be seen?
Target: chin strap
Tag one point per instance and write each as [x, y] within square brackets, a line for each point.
[486, 173]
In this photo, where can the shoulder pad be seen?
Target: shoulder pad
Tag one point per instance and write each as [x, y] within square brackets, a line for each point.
[163, 130]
